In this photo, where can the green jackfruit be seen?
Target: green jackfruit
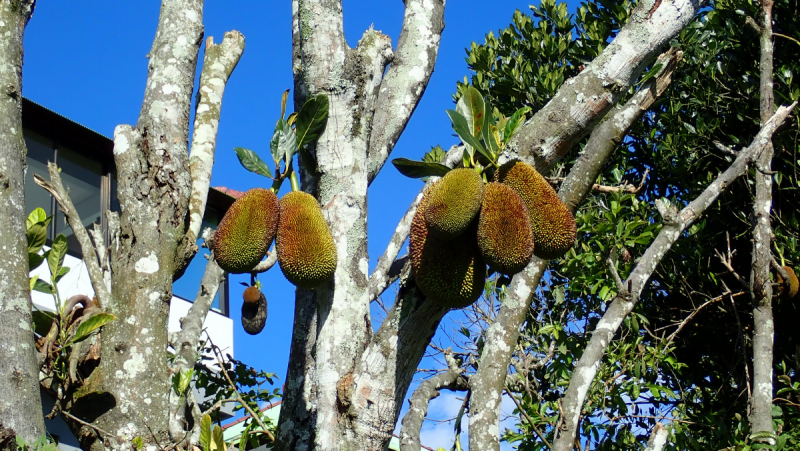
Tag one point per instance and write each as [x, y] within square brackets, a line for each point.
[246, 231]
[450, 273]
[505, 237]
[306, 250]
[254, 310]
[553, 225]
[453, 203]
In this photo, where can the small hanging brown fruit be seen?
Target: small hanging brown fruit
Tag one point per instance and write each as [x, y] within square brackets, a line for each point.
[788, 290]
[254, 310]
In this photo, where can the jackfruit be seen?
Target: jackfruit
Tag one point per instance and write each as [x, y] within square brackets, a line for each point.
[254, 310]
[246, 231]
[505, 237]
[553, 225]
[794, 284]
[453, 203]
[450, 273]
[306, 250]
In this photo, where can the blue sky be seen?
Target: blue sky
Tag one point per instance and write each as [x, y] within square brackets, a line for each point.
[87, 61]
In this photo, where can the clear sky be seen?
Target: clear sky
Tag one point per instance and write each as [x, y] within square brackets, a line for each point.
[87, 61]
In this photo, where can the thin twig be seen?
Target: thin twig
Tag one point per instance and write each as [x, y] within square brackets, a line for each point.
[527, 417]
[78, 420]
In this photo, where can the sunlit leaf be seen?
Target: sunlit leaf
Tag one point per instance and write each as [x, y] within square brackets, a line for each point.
[252, 162]
[311, 119]
[91, 324]
[419, 169]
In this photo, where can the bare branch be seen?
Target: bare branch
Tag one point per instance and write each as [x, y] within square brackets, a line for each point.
[760, 284]
[219, 62]
[56, 188]
[673, 226]
[406, 79]
[452, 379]
[583, 100]
[658, 438]
[265, 265]
[188, 339]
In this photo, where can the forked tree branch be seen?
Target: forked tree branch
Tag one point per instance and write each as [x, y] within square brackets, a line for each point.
[218, 64]
[502, 335]
[674, 224]
[56, 188]
[187, 342]
[406, 79]
[452, 379]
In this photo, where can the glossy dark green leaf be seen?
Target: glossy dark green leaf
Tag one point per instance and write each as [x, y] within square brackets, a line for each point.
[283, 143]
[55, 256]
[37, 236]
[42, 321]
[252, 162]
[473, 109]
[514, 122]
[43, 287]
[462, 130]
[419, 169]
[311, 119]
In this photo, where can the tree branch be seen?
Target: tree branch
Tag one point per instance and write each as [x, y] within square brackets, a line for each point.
[219, 62]
[452, 379]
[584, 99]
[502, 335]
[760, 284]
[674, 224]
[406, 79]
[188, 339]
[658, 438]
[56, 188]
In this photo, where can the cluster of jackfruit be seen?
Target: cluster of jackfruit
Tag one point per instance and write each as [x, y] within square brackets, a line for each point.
[461, 225]
[306, 250]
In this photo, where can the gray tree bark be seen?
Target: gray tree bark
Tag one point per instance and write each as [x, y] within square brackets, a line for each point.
[760, 284]
[332, 338]
[20, 400]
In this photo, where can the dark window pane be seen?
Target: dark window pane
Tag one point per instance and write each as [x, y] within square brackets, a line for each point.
[82, 177]
[40, 151]
[188, 285]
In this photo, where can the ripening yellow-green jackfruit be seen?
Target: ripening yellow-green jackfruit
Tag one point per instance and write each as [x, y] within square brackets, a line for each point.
[450, 273]
[306, 250]
[453, 203]
[254, 310]
[794, 284]
[246, 231]
[553, 225]
[505, 237]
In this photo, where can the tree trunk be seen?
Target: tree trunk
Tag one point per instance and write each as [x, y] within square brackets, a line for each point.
[127, 395]
[20, 400]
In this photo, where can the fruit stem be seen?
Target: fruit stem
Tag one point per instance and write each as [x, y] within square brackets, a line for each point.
[293, 180]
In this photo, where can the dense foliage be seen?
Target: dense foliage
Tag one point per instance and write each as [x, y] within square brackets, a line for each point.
[682, 357]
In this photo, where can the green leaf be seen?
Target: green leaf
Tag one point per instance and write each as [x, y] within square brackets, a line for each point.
[37, 236]
[283, 143]
[461, 128]
[61, 273]
[284, 98]
[205, 433]
[34, 260]
[42, 287]
[651, 73]
[37, 216]
[473, 109]
[419, 169]
[55, 257]
[252, 162]
[311, 119]
[138, 442]
[514, 122]
[488, 137]
[42, 321]
[219, 442]
[436, 155]
[90, 324]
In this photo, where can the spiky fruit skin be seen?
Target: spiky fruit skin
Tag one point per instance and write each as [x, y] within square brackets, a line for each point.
[794, 284]
[505, 237]
[246, 231]
[450, 273]
[306, 250]
[453, 203]
[553, 225]
[254, 311]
